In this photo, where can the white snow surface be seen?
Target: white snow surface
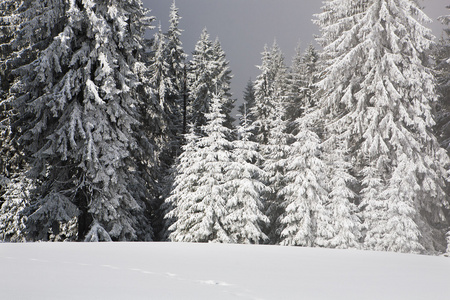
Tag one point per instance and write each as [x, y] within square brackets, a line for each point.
[215, 271]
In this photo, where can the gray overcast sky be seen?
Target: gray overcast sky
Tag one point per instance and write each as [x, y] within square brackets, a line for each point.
[245, 26]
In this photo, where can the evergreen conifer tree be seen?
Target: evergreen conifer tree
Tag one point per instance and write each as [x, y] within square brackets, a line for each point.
[246, 221]
[275, 157]
[175, 58]
[377, 95]
[222, 81]
[184, 177]
[295, 87]
[305, 195]
[301, 79]
[164, 87]
[27, 27]
[269, 114]
[249, 102]
[9, 21]
[269, 88]
[209, 74]
[343, 230]
[442, 71]
[200, 80]
[263, 107]
[199, 197]
[310, 68]
[80, 124]
[159, 69]
[173, 75]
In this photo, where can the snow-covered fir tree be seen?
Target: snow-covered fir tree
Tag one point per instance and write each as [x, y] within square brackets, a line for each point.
[160, 78]
[81, 124]
[310, 74]
[376, 96]
[442, 71]
[175, 58]
[269, 88]
[443, 77]
[245, 222]
[9, 21]
[167, 76]
[305, 196]
[403, 233]
[344, 225]
[301, 78]
[27, 27]
[248, 102]
[295, 87]
[275, 157]
[263, 92]
[199, 197]
[209, 74]
[184, 178]
[222, 81]
[200, 80]
[164, 87]
[270, 125]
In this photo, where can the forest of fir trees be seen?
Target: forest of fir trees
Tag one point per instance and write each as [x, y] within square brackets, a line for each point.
[107, 135]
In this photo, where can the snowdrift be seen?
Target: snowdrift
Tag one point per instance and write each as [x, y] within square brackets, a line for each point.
[215, 271]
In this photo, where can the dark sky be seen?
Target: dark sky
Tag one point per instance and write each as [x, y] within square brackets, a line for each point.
[245, 26]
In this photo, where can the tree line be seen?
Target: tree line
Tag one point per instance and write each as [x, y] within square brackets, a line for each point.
[110, 136]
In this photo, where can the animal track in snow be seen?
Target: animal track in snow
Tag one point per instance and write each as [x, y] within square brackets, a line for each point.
[214, 282]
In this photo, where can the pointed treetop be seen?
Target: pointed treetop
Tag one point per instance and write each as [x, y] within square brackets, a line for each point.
[174, 18]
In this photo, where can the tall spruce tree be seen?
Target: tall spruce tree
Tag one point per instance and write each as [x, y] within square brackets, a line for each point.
[184, 178]
[171, 70]
[246, 220]
[269, 89]
[163, 87]
[222, 81]
[27, 27]
[442, 71]
[81, 126]
[200, 80]
[344, 227]
[270, 124]
[305, 196]
[167, 82]
[377, 95]
[248, 102]
[9, 21]
[275, 157]
[175, 58]
[310, 74]
[199, 197]
[295, 87]
[159, 69]
[262, 110]
[301, 78]
[209, 74]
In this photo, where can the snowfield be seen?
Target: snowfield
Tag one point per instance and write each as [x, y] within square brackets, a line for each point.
[215, 271]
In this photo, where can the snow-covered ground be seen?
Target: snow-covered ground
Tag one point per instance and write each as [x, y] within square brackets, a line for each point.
[215, 271]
